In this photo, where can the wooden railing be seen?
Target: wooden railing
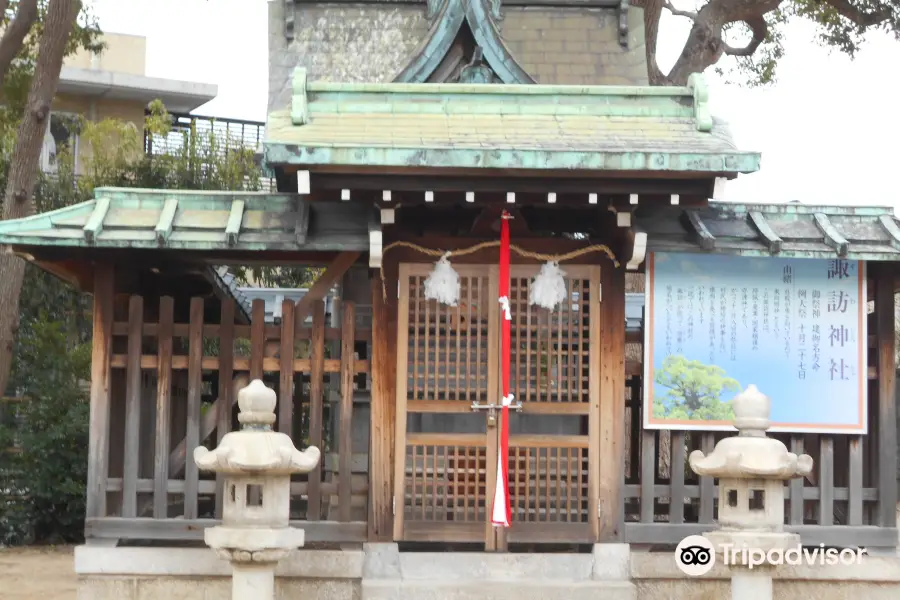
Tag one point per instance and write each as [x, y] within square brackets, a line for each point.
[172, 386]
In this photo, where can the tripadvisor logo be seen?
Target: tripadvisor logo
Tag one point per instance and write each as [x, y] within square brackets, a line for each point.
[696, 556]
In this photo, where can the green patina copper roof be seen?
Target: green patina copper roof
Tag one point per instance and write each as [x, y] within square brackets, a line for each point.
[195, 220]
[791, 230]
[538, 127]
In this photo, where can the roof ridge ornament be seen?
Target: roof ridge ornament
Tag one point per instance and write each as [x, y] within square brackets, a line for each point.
[448, 18]
[299, 101]
[697, 84]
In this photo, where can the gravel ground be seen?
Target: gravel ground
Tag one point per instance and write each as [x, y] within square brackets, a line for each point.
[37, 573]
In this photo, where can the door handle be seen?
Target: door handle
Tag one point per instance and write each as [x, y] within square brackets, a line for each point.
[490, 407]
[494, 407]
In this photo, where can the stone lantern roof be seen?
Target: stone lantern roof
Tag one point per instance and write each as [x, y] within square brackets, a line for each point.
[750, 454]
[256, 448]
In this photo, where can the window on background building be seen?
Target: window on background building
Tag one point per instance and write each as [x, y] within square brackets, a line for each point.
[61, 132]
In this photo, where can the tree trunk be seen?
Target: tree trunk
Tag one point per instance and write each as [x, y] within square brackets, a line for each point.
[23, 169]
[18, 28]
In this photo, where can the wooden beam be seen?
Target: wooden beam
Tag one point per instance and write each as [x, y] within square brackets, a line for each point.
[376, 243]
[194, 417]
[192, 529]
[612, 401]
[699, 230]
[831, 235]
[208, 423]
[840, 536]
[163, 407]
[98, 444]
[235, 218]
[887, 389]
[301, 228]
[94, 224]
[382, 416]
[133, 390]
[540, 183]
[323, 285]
[166, 221]
[759, 223]
[890, 226]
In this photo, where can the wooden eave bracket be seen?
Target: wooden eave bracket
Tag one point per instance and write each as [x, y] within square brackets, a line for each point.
[698, 230]
[702, 114]
[770, 238]
[301, 227]
[376, 242]
[166, 221]
[831, 236]
[890, 225]
[94, 225]
[235, 218]
[299, 101]
[638, 249]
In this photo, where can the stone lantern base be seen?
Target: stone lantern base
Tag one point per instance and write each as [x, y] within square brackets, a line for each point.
[253, 554]
[757, 540]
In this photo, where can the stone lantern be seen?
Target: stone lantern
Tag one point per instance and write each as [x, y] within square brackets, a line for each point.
[751, 469]
[257, 464]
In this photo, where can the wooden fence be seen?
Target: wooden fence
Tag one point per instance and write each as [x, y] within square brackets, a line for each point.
[164, 387]
[848, 501]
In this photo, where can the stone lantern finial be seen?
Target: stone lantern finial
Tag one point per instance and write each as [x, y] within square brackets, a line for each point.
[751, 412]
[256, 403]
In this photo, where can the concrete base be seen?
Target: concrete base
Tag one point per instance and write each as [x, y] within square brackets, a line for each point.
[391, 575]
[527, 589]
[381, 572]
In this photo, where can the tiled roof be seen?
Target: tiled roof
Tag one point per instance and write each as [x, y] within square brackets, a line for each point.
[790, 230]
[195, 220]
[504, 126]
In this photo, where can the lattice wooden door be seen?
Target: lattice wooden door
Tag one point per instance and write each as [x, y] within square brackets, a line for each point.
[448, 362]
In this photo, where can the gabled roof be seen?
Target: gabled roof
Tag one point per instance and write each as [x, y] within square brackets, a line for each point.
[195, 220]
[453, 15]
[789, 230]
[481, 126]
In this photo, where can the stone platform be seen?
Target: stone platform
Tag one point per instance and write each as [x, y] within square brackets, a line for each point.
[380, 572]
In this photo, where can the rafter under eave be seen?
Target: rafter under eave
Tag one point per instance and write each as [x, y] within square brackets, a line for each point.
[444, 31]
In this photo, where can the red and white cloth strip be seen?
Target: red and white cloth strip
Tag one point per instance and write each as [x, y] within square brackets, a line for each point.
[501, 514]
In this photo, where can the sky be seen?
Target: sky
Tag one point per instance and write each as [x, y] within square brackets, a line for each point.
[825, 130]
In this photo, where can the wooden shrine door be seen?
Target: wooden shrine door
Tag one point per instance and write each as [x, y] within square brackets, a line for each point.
[448, 397]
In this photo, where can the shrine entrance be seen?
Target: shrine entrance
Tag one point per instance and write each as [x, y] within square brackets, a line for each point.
[448, 399]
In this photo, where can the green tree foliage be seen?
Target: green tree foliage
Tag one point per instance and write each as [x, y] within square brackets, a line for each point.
[695, 391]
[45, 477]
[45, 480]
[750, 35]
[16, 81]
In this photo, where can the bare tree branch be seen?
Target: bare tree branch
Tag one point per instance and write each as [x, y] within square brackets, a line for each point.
[14, 37]
[704, 46]
[759, 29]
[652, 13]
[859, 17]
[679, 13]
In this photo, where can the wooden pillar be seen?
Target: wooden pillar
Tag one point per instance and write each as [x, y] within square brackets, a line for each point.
[612, 401]
[383, 411]
[98, 445]
[887, 410]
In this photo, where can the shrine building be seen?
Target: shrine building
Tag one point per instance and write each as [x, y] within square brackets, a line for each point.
[411, 133]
